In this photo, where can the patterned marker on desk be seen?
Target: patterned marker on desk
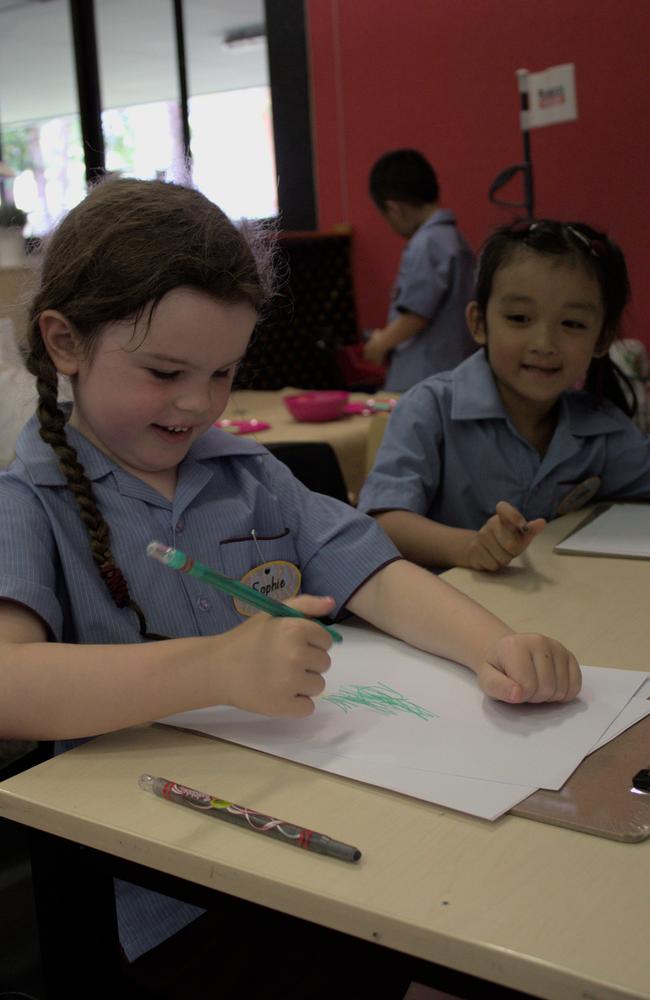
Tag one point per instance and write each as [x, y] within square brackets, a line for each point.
[241, 816]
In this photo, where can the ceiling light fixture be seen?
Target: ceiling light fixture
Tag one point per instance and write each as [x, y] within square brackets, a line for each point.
[252, 36]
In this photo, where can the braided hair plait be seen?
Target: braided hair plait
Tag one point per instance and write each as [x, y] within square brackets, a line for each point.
[52, 430]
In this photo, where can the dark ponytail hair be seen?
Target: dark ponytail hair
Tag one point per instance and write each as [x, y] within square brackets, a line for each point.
[605, 380]
[114, 257]
[605, 261]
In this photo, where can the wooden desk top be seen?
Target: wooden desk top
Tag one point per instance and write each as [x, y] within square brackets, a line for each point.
[598, 607]
[534, 907]
[348, 436]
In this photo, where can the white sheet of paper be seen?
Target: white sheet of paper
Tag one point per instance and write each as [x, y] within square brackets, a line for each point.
[486, 799]
[622, 530]
[389, 740]
[635, 710]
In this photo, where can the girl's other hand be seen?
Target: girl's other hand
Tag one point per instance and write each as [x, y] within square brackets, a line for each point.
[520, 667]
[274, 666]
[503, 537]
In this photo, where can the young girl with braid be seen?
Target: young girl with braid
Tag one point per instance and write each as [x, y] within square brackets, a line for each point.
[148, 299]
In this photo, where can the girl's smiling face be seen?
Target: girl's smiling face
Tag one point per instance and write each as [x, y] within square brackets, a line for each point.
[145, 395]
[543, 325]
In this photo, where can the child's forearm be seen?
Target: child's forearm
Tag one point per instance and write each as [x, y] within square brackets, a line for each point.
[426, 542]
[60, 691]
[420, 608]
[402, 328]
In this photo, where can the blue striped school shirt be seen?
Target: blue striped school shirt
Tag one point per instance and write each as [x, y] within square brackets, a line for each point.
[227, 488]
[435, 280]
[451, 452]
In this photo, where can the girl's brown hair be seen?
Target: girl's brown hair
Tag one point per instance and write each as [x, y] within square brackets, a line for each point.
[112, 258]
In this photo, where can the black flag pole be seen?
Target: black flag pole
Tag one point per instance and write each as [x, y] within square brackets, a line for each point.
[526, 167]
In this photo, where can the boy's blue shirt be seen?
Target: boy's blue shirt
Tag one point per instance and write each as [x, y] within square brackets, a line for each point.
[450, 453]
[435, 280]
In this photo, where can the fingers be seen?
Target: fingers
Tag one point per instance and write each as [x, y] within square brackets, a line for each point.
[495, 684]
[311, 605]
[494, 546]
[516, 525]
[556, 675]
[510, 516]
[505, 535]
[314, 607]
[305, 660]
[533, 669]
[275, 665]
[304, 684]
[500, 546]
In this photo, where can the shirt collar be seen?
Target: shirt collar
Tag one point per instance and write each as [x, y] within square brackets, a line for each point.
[42, 463]
[586, 418]
[441, 217]
[476, 397]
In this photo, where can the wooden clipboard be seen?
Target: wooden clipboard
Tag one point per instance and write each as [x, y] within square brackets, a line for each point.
[598, 797]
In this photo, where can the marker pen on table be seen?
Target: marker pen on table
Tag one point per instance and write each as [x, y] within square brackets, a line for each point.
[248, 818]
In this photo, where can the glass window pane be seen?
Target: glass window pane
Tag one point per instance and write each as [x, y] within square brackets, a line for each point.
[136, 51]
[39, 120]
[231, 126]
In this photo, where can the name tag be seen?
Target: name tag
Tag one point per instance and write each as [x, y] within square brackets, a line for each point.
[278, 580]
[579, 495]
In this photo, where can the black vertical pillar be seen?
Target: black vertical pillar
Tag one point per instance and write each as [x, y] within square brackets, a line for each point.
[82, 16]
[290, 96]
[182, 78]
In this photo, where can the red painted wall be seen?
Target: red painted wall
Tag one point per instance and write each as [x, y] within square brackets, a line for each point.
[439, 75]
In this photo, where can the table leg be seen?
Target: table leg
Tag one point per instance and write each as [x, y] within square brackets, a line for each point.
[75, 910]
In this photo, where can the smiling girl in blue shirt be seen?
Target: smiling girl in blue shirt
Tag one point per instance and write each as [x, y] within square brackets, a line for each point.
[475, 461]
[149, 297]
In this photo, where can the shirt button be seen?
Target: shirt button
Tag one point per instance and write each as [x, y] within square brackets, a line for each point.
[203, 604]
[180, 524]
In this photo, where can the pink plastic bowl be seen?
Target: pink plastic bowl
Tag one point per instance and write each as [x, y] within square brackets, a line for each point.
[313, 407]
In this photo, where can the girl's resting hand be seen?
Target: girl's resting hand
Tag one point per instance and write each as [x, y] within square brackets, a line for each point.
[503, 537]
[533, 668]
[274, 666]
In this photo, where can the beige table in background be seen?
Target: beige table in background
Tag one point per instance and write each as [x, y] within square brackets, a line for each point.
[351, 436]
[544, 910]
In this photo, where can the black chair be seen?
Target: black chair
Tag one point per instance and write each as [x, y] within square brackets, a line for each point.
[315, 464]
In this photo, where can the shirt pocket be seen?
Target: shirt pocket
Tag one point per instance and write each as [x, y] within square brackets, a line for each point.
[240, 554]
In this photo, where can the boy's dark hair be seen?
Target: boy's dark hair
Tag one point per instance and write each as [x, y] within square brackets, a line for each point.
[603, 258]
[403, 175]
[114, 257]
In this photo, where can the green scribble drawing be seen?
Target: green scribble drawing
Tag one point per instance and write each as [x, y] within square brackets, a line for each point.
[378, 698]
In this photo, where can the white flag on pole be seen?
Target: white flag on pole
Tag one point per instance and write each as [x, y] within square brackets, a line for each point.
[552, 96]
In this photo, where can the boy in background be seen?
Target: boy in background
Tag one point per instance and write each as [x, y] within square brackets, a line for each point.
[426, 330]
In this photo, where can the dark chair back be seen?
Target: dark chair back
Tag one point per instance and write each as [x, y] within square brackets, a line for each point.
[315, 464]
